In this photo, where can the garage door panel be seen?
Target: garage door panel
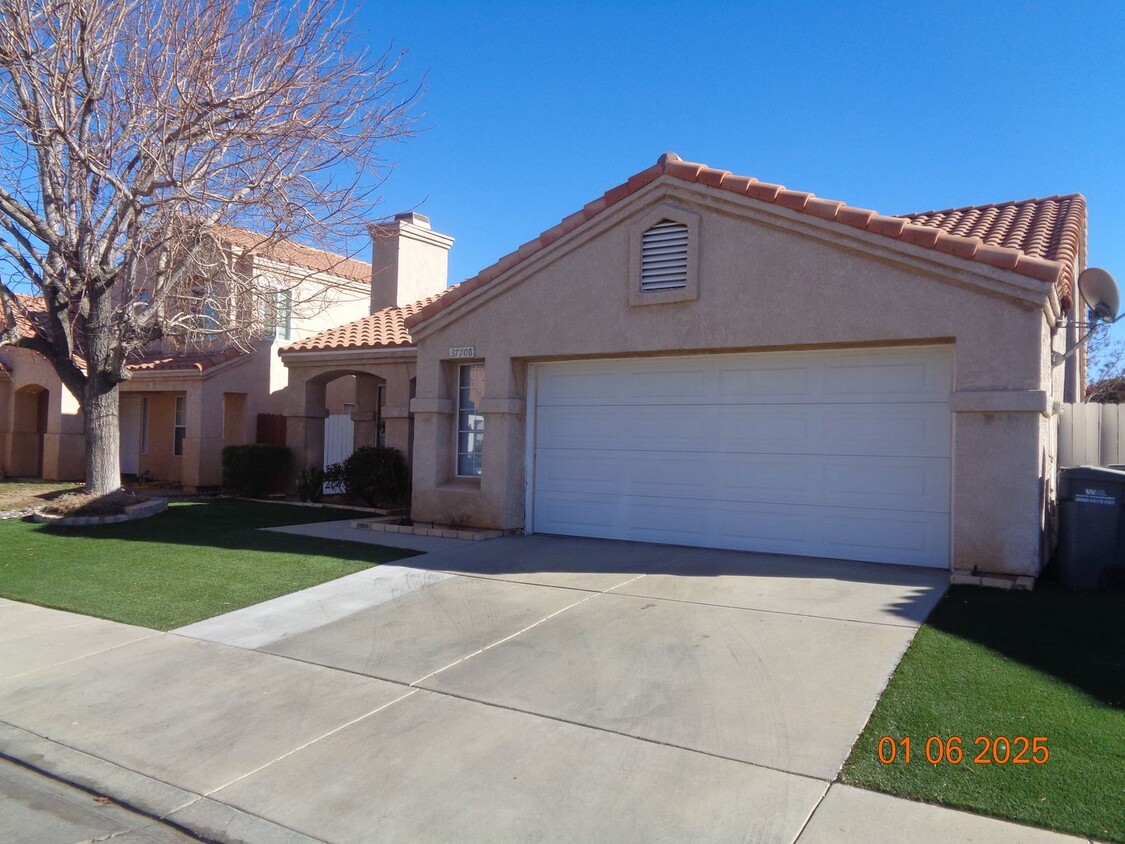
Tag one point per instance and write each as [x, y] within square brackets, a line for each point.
[917, 484]
[666, 429]
[894, 430]
[839, 454]
[911, 539]
[901, 375]
[566, 470]
[768, 383]
[868, 429]
[579, 514]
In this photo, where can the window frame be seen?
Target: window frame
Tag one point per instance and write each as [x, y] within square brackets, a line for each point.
[144, 425]
[179, 426]
[463, 433]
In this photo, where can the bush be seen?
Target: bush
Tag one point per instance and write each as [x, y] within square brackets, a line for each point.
[254, 471]
[310, 484]
[377, 475]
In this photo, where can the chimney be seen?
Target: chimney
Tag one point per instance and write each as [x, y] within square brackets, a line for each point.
[409, 261]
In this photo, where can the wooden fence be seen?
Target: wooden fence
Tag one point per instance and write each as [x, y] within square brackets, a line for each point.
[1091, 435]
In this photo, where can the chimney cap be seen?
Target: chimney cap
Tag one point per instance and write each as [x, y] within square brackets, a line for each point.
[414, 218]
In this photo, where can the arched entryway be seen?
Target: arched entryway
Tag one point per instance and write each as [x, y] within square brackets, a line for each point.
[379, 412]
[29, 423]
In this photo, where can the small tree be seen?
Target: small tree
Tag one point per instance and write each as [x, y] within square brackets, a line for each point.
[1105, 367]
[132, 132]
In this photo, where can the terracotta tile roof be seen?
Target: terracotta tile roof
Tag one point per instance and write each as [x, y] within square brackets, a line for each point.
[297, 254]
[1052, 228]
[146, 361]
[186, 361]
[29, 310]
[382, 329]
[1038, 238]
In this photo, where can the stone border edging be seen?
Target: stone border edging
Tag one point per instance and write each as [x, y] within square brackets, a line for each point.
[473, 534]
[131, 514]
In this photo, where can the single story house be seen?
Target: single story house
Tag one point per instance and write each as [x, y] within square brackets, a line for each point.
[701, 358]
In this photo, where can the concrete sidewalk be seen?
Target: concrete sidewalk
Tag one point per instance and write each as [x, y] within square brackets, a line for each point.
[514, 690]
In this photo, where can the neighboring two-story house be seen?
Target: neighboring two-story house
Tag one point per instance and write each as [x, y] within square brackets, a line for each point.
[181, 406]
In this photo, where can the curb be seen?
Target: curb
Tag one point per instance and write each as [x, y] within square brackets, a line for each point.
[197, 815]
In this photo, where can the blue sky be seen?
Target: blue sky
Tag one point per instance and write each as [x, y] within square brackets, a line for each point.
[533, 109]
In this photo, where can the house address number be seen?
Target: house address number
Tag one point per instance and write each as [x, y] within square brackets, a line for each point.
[463, 352]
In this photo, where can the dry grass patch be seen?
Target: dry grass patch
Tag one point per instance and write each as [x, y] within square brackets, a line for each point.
[25, 495]
[86, 504]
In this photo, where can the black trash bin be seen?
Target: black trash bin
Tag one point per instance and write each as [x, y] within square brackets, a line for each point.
[1091, 526]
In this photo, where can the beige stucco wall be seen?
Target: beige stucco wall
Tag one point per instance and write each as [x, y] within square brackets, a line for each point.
[767, 279]
[61, 438]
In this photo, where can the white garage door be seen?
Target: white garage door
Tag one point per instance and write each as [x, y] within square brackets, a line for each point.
[840, 454]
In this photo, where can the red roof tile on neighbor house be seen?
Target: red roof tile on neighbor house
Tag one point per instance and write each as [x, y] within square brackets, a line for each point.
[382, 329]
[27, 310]
[1038, 238]
[145, 361]
[191, 361]
[297, 254]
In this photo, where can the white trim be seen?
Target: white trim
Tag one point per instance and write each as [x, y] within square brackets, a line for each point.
[529, 449]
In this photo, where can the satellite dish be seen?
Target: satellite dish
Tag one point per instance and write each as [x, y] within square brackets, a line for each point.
[1099, 291]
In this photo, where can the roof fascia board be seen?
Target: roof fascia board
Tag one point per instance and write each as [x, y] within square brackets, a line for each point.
[320, 356]
[303, 274]
[948, 269]
[192, 372]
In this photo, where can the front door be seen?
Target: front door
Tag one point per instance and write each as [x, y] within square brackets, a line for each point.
[131, 431]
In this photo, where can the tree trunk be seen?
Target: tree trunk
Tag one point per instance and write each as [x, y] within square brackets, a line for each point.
[101, 409]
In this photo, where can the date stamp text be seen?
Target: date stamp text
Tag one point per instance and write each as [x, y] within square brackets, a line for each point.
[953, 750]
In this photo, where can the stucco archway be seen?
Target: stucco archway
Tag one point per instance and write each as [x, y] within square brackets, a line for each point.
[30, 406]
[381, 412]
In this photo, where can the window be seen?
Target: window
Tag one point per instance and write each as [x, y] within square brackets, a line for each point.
[283, 314]
[276, 307]
[470, 422]
[664, 256]
[179, 431]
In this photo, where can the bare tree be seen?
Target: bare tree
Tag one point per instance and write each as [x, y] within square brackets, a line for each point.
[132, 132]
[1105, 367]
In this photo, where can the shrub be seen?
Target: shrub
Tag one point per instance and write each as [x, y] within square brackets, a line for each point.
[254, 471]
[377, 475]
[310, 484]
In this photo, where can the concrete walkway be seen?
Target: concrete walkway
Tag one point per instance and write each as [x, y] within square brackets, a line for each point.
[520, 689]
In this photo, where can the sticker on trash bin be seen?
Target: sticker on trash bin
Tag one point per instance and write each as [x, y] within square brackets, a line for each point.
[1094, 496]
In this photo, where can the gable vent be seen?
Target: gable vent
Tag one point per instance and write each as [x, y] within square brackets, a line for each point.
[664, 256]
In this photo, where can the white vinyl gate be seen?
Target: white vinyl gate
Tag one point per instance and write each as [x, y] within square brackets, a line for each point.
[339, 442]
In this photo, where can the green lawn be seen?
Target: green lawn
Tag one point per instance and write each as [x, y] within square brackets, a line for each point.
[192, 562]
[1049, 663]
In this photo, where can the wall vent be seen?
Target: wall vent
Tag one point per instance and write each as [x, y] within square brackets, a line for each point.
[664, 256]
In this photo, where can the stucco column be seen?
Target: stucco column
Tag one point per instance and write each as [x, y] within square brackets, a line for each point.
[999, 503]
[203, 439]
[504, 443]
[304, 424]
[396, 412]
[366, 413]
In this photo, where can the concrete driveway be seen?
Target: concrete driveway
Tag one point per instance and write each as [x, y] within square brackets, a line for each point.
[532, 689]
